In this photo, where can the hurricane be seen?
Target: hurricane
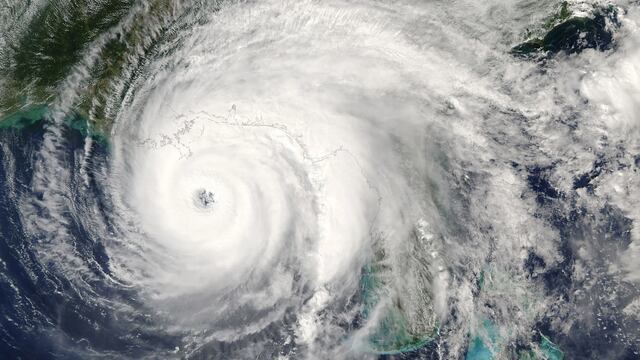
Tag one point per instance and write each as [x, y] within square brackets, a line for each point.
[320, 179]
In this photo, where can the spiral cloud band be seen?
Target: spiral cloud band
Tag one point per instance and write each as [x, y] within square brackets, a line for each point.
[291, 137]
[305, 179]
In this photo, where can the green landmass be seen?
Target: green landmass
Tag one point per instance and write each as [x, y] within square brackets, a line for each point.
[565, 32]
[397, 331]
[59, 37]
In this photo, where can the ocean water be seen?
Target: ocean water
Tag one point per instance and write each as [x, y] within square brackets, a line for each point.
[320, 180]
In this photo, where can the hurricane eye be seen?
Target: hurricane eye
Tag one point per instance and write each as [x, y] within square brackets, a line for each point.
[204, 199]
[309, 179]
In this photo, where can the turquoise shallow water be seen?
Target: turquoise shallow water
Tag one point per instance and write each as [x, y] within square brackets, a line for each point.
[319, 180]
[484, 346]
